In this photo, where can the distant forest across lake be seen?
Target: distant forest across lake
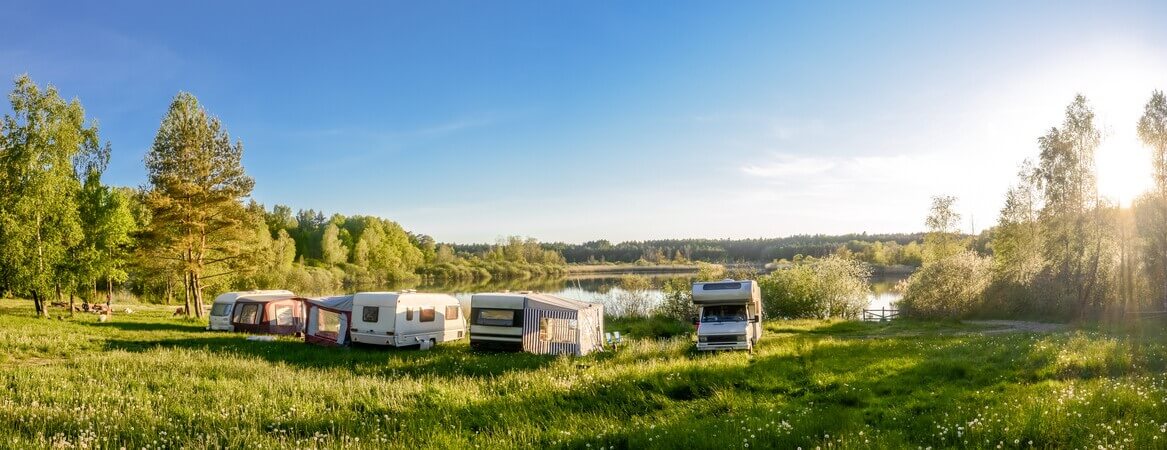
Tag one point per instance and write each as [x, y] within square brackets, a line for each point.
[879, 249]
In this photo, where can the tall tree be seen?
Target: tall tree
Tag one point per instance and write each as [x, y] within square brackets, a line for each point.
[943, 237]
[1073, 223]
[1151, 213]
[332, 250]
[39, 222]
[1016, 243]
[196, 190]
[107, 225]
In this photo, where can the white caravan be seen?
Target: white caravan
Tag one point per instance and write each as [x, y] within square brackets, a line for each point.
[406, 318]
[224, 305]
[729, 314]
[535, 323]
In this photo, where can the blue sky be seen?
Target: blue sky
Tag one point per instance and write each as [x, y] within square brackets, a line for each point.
[575, 121]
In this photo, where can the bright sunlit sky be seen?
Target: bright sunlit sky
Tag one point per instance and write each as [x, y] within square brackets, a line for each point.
[572, 121]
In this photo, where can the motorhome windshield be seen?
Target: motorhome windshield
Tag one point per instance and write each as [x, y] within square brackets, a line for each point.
[724, 313]
[221, 309]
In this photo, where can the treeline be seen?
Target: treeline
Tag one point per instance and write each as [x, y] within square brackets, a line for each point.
[1059, 250]
[192, 228]
[884, 248]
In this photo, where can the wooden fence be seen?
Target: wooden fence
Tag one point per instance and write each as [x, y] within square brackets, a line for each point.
[880, 315]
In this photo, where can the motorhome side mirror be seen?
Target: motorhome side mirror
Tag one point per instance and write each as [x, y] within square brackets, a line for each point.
[695, 321]
[755, 319]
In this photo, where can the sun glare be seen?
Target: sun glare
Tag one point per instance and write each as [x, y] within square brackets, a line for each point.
[1124, 170]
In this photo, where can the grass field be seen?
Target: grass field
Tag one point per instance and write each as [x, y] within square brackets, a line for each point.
[145, 380]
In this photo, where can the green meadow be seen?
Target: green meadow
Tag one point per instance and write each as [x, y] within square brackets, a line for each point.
[146, 380]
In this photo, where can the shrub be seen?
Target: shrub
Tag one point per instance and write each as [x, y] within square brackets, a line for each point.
[633, 300]
[818, 288]
[677, 303]
[950, 288]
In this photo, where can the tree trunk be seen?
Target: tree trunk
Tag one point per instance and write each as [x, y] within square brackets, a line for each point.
[36, 303]
[109, 294]
[71, 305]
[186, 293]
[197, 290]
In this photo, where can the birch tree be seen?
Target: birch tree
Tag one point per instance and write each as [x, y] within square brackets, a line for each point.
[39, 222]
[1151, 210]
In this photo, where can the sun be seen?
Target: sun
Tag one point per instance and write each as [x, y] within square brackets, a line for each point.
[1124, 169]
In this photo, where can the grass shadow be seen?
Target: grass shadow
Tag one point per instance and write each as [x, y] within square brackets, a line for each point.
[147, 326]
[445, 360]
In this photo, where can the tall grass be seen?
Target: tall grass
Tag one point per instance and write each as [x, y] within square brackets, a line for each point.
[145, 380]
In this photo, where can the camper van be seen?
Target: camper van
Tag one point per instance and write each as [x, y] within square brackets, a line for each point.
[406, 318]
[729, 314]
[220, 317]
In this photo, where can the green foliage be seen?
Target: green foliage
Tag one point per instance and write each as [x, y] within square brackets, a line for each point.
[513, 258]
[816, 288]
[332, 250]
[1016, 242]
[633, 300]
[943, 237]
[108, 226]
[677, 301]
[384, 249]
[39, 185]
[708, 250]
[1151, 209]
[196, 184]
[950, 288]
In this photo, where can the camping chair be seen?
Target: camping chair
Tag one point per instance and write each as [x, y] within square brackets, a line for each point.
[614, 340]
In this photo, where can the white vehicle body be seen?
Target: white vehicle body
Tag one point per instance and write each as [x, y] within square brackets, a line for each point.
[729, 314]
[224, 305]
[497, 321]
[406, 318]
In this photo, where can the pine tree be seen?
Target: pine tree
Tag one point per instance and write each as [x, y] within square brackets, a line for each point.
[196, 188]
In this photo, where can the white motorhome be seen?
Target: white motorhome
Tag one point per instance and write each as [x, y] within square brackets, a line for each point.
[224, 304]
[406, 318]
[729, 314]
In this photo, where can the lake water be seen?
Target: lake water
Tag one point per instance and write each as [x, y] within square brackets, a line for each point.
[605, 288]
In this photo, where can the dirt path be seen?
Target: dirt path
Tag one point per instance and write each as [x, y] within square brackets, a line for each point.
[1017, 326]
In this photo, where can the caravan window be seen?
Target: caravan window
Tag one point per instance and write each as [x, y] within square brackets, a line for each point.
[221, 309]
[558, 331]
[427, 314]
[370, 314]
[248, 314]
[408, 313]
[496, 317]
[451, 312]
[284, 315]
[329, 322]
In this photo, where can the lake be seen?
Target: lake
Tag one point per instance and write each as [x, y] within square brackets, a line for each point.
[605, 288]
